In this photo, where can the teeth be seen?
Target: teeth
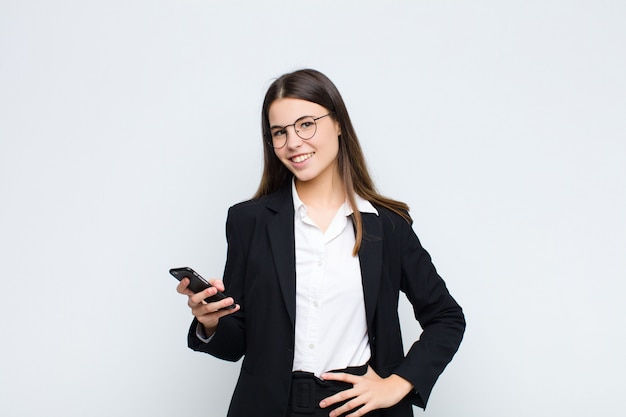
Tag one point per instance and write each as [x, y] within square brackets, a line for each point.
[301, 158]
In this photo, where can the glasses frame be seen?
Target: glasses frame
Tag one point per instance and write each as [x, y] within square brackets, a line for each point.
[315, 119]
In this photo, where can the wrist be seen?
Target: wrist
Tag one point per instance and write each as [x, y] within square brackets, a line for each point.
[400, 384]
[204, 333]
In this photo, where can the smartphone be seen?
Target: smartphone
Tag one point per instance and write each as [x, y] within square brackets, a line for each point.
[197, 284]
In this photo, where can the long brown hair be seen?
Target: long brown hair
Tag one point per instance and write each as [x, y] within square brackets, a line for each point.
[313, 86]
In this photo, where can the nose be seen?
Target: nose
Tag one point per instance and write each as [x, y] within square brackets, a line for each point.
[293, 140]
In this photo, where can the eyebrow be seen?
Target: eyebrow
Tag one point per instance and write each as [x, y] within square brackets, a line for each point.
[282, 127]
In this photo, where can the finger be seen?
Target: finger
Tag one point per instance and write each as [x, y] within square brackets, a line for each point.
[211, 317]
[338, 398]
[228, 311]
[361, 411]
[340, 376]
[182, 286]
[203, 308]
[218, 283]
[198, 298]
[222, 304]
[355, 404]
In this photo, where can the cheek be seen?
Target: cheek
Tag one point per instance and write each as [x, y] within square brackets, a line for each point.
[280, 156]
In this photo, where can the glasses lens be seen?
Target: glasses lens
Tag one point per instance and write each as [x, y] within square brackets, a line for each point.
[306, 127]
[279, 138]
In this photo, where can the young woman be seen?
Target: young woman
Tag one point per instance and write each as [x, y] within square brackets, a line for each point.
[315, 263]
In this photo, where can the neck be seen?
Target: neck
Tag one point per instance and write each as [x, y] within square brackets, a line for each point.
[326, 191]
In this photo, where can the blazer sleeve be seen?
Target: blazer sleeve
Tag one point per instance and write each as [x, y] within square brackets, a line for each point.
[439, 315]
[229, 341]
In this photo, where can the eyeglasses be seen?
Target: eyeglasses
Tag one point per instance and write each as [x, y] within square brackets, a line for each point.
[305, 127]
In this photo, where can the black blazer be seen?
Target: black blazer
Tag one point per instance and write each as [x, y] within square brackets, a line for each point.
[260, 274]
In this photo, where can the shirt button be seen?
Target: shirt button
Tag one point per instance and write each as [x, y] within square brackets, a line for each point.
[311, 346]
[315, 304]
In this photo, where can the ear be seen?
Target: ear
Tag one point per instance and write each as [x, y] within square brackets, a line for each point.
[337, 127]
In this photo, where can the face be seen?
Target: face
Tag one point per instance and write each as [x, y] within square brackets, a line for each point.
[311, 159]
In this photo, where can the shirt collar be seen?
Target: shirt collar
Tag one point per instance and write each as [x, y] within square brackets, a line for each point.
[362, 204]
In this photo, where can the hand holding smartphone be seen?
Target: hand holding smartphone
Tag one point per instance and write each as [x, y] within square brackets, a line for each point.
[197, 283]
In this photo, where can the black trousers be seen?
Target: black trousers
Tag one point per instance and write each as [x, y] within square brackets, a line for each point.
[307, 391]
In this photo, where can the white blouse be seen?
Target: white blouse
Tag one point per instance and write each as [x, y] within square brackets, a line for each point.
[331, 329]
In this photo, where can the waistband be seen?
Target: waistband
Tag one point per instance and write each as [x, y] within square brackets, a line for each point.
[307, 390]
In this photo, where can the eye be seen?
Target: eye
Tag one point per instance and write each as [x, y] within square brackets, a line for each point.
[305, 123]
[278, 132]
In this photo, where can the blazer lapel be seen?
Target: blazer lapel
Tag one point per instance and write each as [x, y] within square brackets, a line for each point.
[280, 230]
[371, 260]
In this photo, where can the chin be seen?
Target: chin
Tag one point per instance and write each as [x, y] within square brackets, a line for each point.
[302, 178]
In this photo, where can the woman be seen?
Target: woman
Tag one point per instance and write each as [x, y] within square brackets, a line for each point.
[315, 263]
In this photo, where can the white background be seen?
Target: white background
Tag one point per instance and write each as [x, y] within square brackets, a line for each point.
[127, 128]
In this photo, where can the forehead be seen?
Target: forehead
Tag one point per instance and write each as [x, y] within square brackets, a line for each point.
[284, 111]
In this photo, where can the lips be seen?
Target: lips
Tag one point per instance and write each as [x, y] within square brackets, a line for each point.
[301, 158]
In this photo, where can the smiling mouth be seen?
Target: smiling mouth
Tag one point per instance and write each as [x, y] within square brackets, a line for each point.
[301, 158]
